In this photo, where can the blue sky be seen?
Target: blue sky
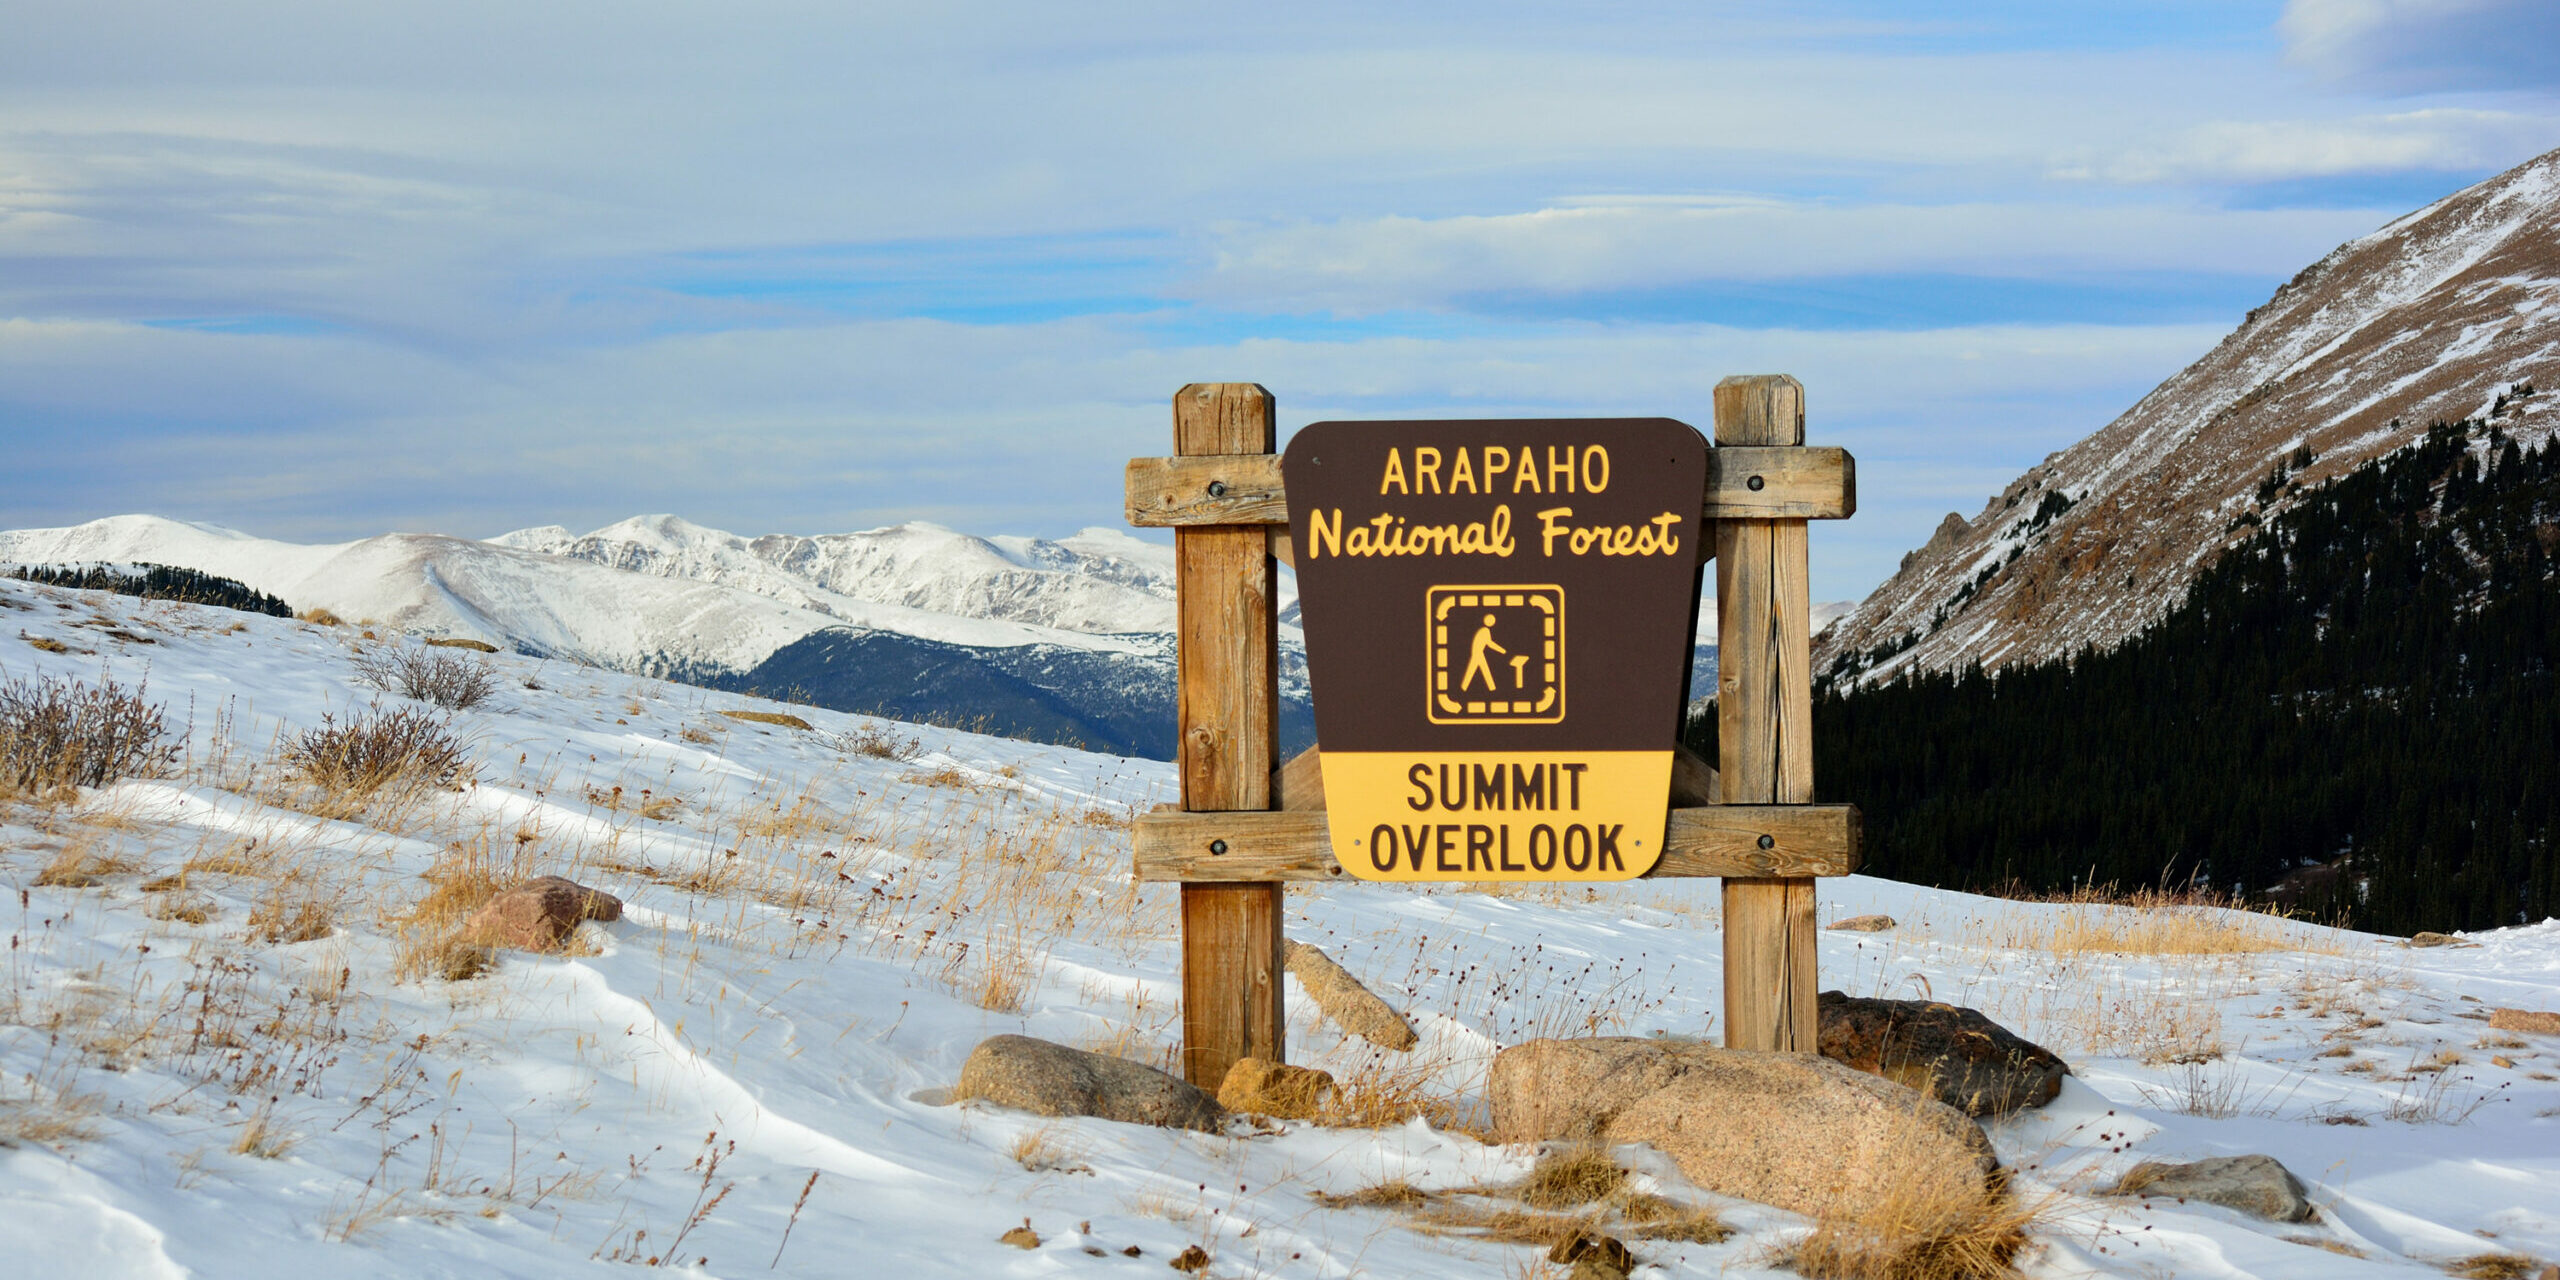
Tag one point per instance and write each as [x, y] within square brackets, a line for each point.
[319, 271]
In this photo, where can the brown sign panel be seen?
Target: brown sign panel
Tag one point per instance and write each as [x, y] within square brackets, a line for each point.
[1499, 621]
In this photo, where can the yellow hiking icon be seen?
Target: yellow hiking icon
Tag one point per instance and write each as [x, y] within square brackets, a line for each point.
[1516, 627]
[1476, 657]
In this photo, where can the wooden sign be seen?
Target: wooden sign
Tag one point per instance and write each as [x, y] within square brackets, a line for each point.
[1499, 620]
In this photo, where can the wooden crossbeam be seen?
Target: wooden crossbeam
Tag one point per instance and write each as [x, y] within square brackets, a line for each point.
[1709, 840]
[1797, 483]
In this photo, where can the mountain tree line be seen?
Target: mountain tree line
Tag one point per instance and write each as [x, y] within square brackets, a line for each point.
[2352, 712]
[157, 582]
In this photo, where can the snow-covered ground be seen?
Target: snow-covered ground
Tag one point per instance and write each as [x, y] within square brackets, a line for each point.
[739, 1076]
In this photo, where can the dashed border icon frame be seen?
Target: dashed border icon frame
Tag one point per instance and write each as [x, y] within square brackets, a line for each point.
[1444, 707]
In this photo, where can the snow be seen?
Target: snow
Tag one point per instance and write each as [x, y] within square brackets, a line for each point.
[707, 1054]
[691, 608]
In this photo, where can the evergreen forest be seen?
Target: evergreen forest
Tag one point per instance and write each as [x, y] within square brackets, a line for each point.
[2352, 713]
[156, 582]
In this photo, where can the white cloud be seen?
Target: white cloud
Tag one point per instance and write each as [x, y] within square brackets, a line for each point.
[1594, 245]
[2436, 139]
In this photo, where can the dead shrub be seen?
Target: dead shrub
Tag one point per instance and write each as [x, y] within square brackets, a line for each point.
[453, 681]
[58, 732]
[878, 742]
[376, 751]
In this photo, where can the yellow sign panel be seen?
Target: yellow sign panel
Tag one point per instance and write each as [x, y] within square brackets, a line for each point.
[1497, 815]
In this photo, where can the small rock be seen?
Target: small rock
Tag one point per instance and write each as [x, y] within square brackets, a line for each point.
[2502, 1060]
[1193, 1258]
[1021, 1237]
[1054, 1080]
[1594, 1257]
[1954, 1054]
[1769, 1127]
[1275, 1089]
[1865, 924]
[1353, 1007]
[538, 914]
[2532, 1021]
[2254, 1185]
[2437, 940]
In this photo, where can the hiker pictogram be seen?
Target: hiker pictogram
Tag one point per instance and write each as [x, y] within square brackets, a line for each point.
[1497, 654]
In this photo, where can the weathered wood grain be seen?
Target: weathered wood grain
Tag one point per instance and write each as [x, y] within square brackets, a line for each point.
[1227, 656]
[1711, 840]
[1803, 484]
[1764, 707]
[1795, 483]
[1241, 488]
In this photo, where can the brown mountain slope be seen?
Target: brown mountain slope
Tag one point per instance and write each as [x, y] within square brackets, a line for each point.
[2432, 317]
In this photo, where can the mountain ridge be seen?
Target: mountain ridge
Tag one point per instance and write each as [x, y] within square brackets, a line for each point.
[2434, 316]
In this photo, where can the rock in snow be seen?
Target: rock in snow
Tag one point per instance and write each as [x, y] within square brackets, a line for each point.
[1275, 1089]
[1770, 1127]
[539, 914]
[1353, 1007]
[2256, 1185]
[1954, 1054]
[1054, 1080]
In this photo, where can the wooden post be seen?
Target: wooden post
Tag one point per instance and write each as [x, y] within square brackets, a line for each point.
[1228, 658]
[1764, 723]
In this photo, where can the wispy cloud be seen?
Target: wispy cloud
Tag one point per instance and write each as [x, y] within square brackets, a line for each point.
[2434, 140]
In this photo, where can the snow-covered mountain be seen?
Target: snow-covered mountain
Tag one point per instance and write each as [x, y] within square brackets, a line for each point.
[2437, 316]
[1100, 581]
[1069, 640]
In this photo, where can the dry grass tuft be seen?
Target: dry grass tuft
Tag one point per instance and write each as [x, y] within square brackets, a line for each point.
[1500, 1223]
[1577, 1175]
[2495, 1266]
[1037, 1151]
[47, 643]
[321, 618]
[294, 910]
[261, 1137]
[182, 908]
[80, 866]
[1916, 1233]
[46, 1118]
[459, 642]
[950, 776]
[430, 942]
[783, 719]
[2145, 922]
[57, 733]
[1394, 1193]
[449, 680]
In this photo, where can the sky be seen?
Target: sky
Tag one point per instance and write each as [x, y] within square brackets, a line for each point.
[318, 271]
